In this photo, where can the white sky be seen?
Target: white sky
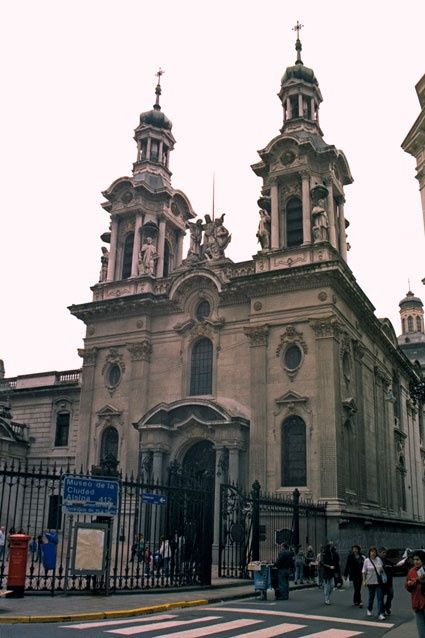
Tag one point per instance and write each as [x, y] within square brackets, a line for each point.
[76, 77]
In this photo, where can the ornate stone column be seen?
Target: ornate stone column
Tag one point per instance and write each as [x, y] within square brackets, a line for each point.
[221, 470]
[234, 465]
[179, 250]
[306, 208]
[85, 433]
[329, 409]
[113, 249]
[157, 468]
[275, 216]
[140, 353]
[300, 105]
[289, 108]
[342, 234]
[136, 246]
[258, 336]
[331, 216]
[161, 248]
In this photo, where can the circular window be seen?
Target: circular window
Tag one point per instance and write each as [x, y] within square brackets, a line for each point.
[203, 310]
[292, 357]
[346, 365]
[114, 374]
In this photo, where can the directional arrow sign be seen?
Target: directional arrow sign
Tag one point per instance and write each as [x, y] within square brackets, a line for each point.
[154, 499]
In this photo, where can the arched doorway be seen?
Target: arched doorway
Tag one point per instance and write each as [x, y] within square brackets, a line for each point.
[199, 462]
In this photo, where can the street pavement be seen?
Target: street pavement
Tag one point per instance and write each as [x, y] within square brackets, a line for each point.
[239, 616]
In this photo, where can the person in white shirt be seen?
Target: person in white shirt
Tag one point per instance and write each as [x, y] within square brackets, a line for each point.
[373, 574]
[2, 542]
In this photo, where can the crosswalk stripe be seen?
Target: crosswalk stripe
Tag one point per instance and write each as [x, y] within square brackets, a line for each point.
[155, 626]
[271, 632]
[332, 633]
[108, 623]
[214, 629]
[288, 614]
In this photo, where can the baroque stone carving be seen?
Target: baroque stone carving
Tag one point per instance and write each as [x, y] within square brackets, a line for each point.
[148, 257]
[258, 335]
[88, 355]
[290, 336]
[258, 305]
[264, 229]
[140, 351]
[329, 327]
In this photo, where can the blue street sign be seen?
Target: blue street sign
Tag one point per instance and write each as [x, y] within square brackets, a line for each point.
[88, 495]
[153, 499]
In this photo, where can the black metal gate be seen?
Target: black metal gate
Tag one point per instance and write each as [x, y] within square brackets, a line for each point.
[251, 525]
[31, 503]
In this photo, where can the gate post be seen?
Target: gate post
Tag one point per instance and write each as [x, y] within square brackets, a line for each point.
[255, 494]
[296, 524]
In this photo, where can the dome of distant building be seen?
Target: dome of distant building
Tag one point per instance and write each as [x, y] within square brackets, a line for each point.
[155, 117]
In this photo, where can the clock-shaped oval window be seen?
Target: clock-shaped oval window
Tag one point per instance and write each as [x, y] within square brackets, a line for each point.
[292, 357]
[114, 375]
[203, 310]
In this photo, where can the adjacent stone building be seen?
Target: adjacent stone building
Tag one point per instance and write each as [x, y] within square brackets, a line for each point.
[274, 369]
[415, 142]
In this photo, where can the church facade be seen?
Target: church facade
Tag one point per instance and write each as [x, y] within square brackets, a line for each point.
[275, 369]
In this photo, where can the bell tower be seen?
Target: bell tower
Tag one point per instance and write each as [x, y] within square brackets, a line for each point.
[148, 216]
[302, 197]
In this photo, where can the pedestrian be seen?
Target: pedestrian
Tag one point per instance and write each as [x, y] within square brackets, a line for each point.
[299, 566]
[329, 561]
[387, 588]
[284, 563]
[310, 559]
[415, 584]
[165, 553]
[2, 543]
[373, 577]
[49, 551]
[320, 568]
[353, 571]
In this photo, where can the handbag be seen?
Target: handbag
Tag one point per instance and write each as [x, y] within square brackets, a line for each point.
[382, 577]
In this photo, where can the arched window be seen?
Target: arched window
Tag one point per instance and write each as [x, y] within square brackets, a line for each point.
[201, 367]
[166, 259]
[294, 222]
[203, 310]
[62, 429]
[294, 452]
[418, 324]
[109, 444]
[410, 324]
[127, 256]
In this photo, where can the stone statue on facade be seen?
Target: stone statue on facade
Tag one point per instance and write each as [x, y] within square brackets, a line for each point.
[264, 229]
[104, 260]
[195, 229]
[148, 257]
[216, 238]
[320, 227]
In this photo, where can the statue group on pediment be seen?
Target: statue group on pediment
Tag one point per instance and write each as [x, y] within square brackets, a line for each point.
[212, 244]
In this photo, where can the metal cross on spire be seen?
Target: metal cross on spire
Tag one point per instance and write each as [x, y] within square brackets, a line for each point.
[158, 88]
[298, 28]
[298, 46]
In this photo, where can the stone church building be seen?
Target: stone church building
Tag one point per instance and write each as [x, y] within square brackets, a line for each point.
[274, 369]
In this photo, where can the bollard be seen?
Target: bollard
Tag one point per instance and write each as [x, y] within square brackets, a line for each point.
[17, 564]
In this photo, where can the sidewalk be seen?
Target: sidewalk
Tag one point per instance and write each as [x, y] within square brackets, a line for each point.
[60, 608]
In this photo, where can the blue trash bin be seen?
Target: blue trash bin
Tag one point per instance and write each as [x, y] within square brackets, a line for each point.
[263, 580]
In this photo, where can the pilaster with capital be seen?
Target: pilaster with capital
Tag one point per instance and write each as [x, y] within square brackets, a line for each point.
[258, 336]
[86, 433]
[331, 215]
[136, 246]
[113, 249]
[306, 208]
[161, 247]
[140, 354]
[342, 233]
[274, 194]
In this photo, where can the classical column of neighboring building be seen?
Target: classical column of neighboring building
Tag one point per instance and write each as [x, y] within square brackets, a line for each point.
[342, 232]
[140, 353]
[136, 246]
[331, 216]
[306, 208]
[85, 434]
[274, 191]
[113, 249]
[258, 336]
[328, 412]
[161, 248]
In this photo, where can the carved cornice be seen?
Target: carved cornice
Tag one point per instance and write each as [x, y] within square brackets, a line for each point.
[88, 355]
[140, 351]
[258, 335]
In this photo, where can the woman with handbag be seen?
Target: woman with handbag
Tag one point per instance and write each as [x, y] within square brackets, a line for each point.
[373, 577]
[415, 584]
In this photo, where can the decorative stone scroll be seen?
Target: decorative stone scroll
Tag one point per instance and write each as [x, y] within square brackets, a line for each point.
[140, 351]
[291, 335]
[329, 327]
[258, 335]
[88, 355]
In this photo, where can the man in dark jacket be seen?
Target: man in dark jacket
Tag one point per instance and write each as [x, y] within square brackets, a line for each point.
[353, 571]
[284, 564]
[330, 564]
[387, 588]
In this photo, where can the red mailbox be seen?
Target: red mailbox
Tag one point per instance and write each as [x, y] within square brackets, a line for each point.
[17, 564]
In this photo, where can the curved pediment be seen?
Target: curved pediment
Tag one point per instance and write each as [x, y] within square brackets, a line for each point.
[179, 413]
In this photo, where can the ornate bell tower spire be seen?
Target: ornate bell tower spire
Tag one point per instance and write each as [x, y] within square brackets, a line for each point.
[302, 198]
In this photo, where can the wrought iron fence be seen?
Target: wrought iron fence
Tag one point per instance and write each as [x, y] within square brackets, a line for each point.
[251, 525]
[31, 503]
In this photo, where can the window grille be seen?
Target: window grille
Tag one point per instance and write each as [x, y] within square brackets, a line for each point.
[201, 367]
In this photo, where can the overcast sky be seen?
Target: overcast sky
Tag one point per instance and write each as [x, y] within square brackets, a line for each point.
[76, 77]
